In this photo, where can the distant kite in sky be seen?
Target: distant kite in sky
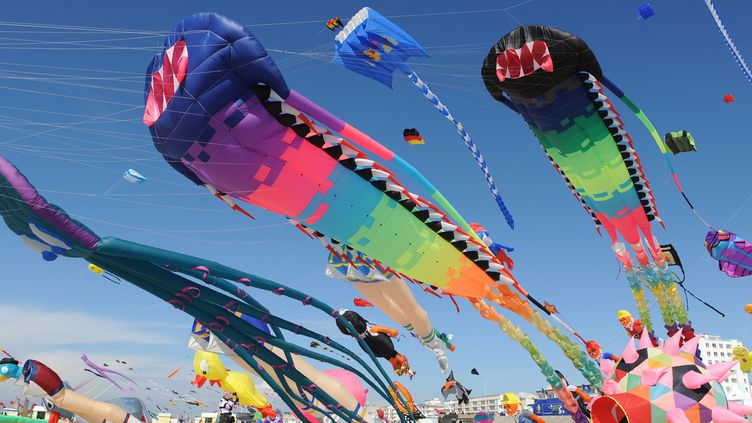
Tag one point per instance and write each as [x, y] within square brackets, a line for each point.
[133, 176]
[646, 11]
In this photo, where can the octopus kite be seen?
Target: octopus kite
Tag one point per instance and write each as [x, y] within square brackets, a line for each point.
[222, 115]
[210, 292]
[553, 80]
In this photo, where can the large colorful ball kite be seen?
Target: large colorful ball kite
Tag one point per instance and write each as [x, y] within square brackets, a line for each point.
[665, 384]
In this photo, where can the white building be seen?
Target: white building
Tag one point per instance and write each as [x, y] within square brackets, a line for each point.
[714, 350]
[488, 404]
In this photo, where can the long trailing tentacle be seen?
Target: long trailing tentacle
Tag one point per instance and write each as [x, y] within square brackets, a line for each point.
[219, 272]
[521, 338]
[665, 152]
[479, 159]
[165, 284]
[139, 273]
[729, 42]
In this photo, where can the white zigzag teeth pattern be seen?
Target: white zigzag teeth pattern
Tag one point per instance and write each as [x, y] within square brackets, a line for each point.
[365, 168]
[363, 163]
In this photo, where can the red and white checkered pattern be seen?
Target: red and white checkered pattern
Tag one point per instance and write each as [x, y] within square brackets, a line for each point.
[165, 81]
[516, 63]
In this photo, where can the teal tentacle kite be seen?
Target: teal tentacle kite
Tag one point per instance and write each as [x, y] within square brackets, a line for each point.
[212, 293]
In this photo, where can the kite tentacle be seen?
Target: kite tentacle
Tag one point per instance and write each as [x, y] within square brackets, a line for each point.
[180, 262]
[578, 357]
[254, 309]
[161, 283]
[665, 152]
[479, 159]
[729, 42]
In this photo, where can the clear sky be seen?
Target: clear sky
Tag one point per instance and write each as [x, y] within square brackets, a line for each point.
[72, 102]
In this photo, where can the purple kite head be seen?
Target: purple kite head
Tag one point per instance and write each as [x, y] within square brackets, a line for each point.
[207, 63]
[713, 238]
[734, 254]
[41, 226]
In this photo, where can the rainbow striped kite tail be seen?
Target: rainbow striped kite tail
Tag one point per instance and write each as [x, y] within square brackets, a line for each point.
[430, 96]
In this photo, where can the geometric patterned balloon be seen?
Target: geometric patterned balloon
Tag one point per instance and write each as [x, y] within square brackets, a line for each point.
[665, 384]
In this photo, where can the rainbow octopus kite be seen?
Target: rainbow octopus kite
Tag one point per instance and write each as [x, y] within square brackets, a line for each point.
[552, 79]
[212, 293]
[221, 114]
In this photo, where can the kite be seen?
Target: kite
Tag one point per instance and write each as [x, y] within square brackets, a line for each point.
[665, 384]
[379, 339]
[342, 385]
[174, 372]
[634, 327]
[133, 177]
[513, 407]
[730, 43]
[748, 308]
[734, 254]
[412, 136]
[581, 397]
[360, 302]
[553, 80]
[728, 98]
[373, 46]
[233, 126]
[9, 369]
[680, 142]
[411, 408]
[208, 366]
[103, 373]
[646, 11]
[453, 387]
[744, 357]
[40, 381]
[206, 290]
[334, 23]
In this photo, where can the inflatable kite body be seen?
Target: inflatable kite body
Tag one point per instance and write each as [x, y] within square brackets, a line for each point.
[210, 292]
[379, 339]
[39, 380]
[453, 387]
[221, 114]
[553, 81]
[668, 384]
[734, 254]
[228, 120]
[10, 369]
[208, 367]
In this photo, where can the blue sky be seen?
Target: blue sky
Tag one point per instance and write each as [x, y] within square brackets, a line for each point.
[71, 120]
